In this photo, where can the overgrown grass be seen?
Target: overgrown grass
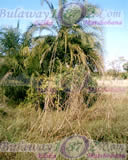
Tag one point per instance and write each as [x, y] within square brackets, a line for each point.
[106, 121]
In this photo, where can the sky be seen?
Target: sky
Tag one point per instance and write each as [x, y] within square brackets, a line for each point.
[115, 37]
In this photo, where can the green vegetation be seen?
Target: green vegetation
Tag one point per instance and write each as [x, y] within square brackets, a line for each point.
[72, 50]
[49, 89]
[125, 66]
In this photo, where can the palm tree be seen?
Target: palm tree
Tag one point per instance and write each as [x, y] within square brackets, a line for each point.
[12, 48]
[9, 40]
[70, 44]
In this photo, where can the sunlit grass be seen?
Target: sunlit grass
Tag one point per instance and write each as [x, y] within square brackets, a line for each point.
[105, 121]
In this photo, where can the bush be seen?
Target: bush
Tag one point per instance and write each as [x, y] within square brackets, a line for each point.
[15, 88]
[3, 70]
[54, 92]
[124, 75]
[90, 96]
[15, 93]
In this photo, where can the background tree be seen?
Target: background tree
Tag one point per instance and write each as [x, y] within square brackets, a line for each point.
[125, 66]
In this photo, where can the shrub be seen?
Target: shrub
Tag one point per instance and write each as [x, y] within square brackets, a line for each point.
[3, 70]
[15, 93]
[90, 96]
[15, 88]
[124, 75]
[54, 92]
[125, 66]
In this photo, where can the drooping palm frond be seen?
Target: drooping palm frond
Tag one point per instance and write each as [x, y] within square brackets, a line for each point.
[71, 45]
[69, 48]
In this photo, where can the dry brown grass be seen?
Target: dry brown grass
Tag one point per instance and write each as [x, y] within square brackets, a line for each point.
[105, 121]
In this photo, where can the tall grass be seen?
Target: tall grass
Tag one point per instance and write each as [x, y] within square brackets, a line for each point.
[106, 121]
